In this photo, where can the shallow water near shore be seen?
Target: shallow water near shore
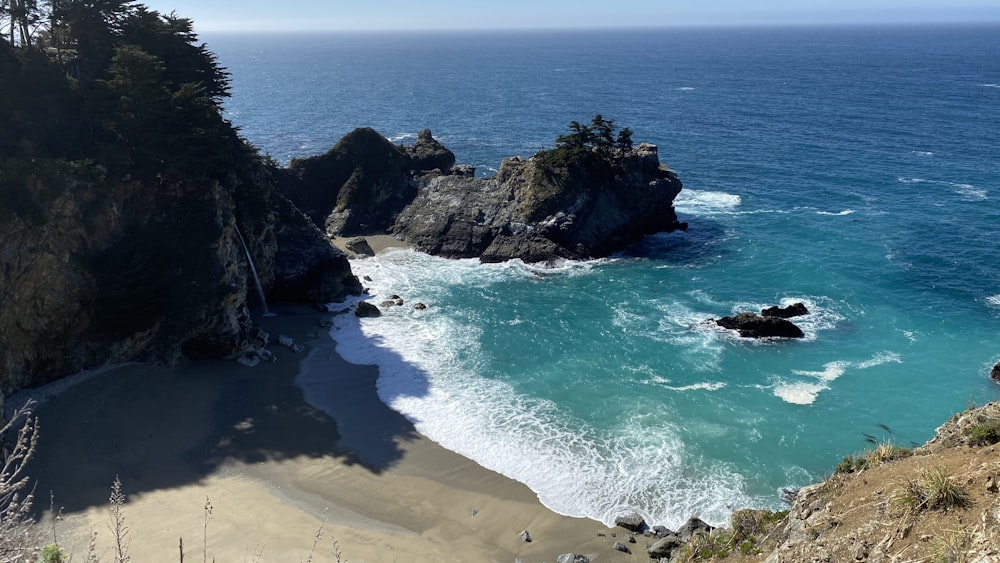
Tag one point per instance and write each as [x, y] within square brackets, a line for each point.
[851, 169]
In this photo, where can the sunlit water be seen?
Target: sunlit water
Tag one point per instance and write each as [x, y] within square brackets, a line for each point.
[855, 170]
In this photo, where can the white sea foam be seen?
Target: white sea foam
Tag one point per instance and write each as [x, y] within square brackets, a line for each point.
[400, 137]
[923, 153]
[967, 191]
[425, 372]
[686, 88]
[698, 202]
[799, 391]
[704, 386]
[970, 192]
[993, 300]
[838, 213]
[990, 85]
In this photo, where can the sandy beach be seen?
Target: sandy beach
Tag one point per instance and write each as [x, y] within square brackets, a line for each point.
[279, 451]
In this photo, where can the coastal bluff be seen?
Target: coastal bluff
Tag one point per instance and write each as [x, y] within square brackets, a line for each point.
[576, 201]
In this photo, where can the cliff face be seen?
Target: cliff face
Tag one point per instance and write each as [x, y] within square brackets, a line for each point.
[536, 212]
[96, 269]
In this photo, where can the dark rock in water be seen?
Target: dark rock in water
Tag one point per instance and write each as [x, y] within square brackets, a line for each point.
[691, 527]
[366, 309]
[525, 536]
[664, 548]
[572, 558]
[543, 208]
[751, 325]
[995, 373]
[793, 310]
[360, 246]
[428, 154]
[631, 522]
[619, 546]
[419, 306]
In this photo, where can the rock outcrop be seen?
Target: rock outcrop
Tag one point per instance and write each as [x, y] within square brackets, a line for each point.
[96, 269]
[562, 203]
[995, 373]
[361, 184]
[752, 325]
[793, 310]
[536, 211]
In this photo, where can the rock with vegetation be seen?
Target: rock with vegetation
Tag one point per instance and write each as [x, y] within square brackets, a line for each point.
[132, 209]
[591, 195]
[938, 502]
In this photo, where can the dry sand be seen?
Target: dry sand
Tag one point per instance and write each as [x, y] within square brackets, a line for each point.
[276, 468]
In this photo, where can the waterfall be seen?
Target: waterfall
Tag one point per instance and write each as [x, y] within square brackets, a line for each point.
[253, 270]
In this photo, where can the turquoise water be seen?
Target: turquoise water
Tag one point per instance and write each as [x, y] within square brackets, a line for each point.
[853, 169]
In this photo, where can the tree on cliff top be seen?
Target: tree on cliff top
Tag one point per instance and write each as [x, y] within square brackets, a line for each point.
[116, 83]
[587, 157]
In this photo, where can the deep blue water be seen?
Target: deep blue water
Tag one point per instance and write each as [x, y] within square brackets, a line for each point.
[854, 169]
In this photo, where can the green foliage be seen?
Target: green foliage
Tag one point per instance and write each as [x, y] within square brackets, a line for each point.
[872, 457]
[587, 157]
[985, 433]
[53, 554]
[851, 464]
[934, 490]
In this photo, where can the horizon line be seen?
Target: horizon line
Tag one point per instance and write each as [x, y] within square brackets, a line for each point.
[629, 27]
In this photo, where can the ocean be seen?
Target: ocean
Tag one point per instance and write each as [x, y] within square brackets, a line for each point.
[854, 169]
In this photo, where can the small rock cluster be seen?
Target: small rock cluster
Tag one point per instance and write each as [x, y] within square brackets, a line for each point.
[772, 322]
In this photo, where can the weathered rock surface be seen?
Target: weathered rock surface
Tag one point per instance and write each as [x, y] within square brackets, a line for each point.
[995, 373]
[366, 309]
[752, 325]
[355, 188]
[428, 154]
[523, 213]
[793, 310]
[96, 269]
[360, 246]
[632, 522]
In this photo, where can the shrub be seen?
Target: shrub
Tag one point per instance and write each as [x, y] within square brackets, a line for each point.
[984, 433]
[53, 554]
[934, 490]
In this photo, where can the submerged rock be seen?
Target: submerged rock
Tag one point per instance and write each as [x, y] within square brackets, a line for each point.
[751, 325]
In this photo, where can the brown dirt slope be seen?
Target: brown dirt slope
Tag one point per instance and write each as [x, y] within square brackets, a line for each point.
[937, 503]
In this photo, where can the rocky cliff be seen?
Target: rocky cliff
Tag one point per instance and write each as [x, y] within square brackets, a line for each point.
[937, 502]
[578, 201]
[97, 269]
[535, 213]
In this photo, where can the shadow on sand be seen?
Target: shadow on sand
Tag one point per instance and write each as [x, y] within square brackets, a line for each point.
[156, 427]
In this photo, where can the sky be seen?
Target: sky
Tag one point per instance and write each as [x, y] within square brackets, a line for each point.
[320, 15]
